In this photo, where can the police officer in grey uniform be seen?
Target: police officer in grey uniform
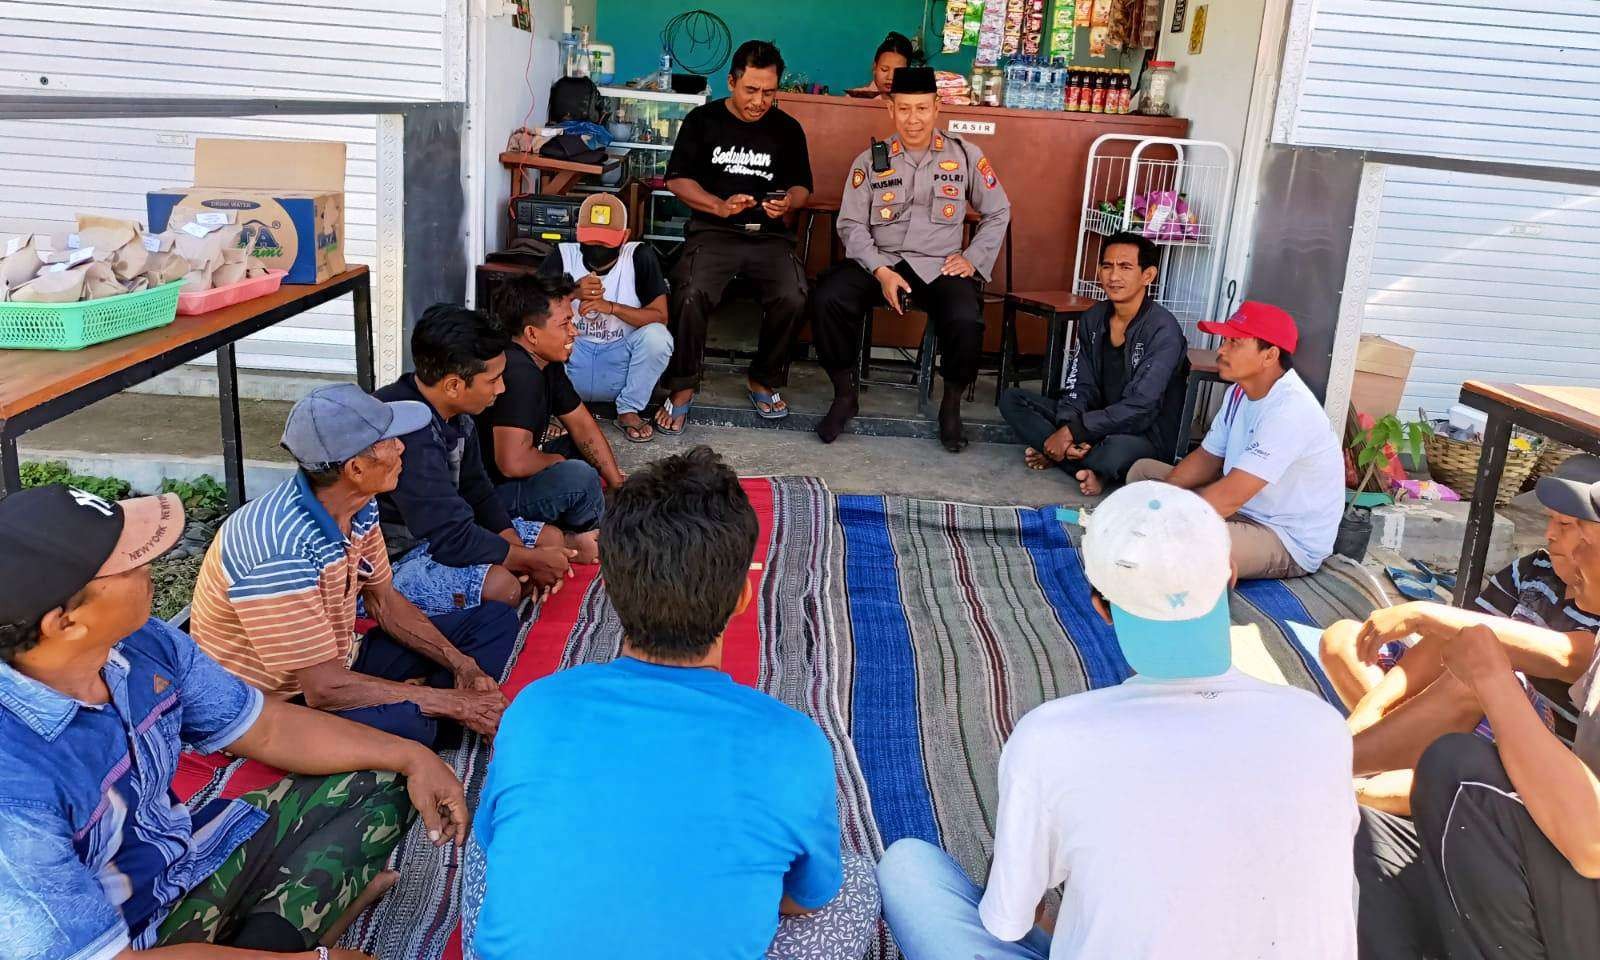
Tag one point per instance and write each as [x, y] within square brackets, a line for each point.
[902, 224]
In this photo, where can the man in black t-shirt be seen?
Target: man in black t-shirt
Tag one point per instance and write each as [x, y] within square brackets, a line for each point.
[740, 164]
[558, 482]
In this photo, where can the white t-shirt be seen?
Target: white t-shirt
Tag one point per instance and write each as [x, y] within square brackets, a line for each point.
[1284, 438]
[620, 288]
[1208, 819]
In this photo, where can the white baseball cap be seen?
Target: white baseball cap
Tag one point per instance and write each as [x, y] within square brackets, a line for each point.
[1159, 556]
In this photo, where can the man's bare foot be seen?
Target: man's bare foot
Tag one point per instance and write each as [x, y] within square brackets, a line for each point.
[1036, 460]
[675, 422]
[379, 885]
[1089, 483]
[636, 428]
[587, 545]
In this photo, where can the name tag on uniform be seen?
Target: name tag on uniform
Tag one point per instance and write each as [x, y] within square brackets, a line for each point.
[752, 227]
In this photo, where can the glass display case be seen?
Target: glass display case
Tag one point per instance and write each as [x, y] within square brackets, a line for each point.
[644, 125]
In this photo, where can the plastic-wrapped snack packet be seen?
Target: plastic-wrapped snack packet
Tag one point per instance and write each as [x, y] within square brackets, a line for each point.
[991, 35]
[1012, 38]
[955, 16]
[972, 25]
[1083, 14]
[1063, 32]
[1033, 28]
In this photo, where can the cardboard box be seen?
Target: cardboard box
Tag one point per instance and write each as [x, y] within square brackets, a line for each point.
[1382, 368]
[292, 189]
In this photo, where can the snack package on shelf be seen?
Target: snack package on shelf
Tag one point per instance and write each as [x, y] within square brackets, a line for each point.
[955, 18]
[1033, 28]
[991, 34]
[1084, 13]
[972, 22]
[954, 88]
[1011, 40]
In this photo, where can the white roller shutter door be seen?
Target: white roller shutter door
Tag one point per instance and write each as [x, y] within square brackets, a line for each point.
[317, 49]
[1510, 81]
[1487, 278]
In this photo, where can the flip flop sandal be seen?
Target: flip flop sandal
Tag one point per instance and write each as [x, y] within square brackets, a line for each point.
[672, 413]
[632, 432]
[1411, 586]
[1446, 580]
[771, 400]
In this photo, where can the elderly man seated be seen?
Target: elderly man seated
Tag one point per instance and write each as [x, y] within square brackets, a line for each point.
[1398, 707]
[275, 601]
[98, 859]
[1502, 855]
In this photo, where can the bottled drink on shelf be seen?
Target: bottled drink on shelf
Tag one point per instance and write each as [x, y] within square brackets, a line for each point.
[1097, 102]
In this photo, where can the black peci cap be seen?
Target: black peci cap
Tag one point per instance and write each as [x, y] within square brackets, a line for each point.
[914, 80]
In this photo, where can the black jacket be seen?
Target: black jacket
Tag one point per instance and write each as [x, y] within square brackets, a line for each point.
[445, 496]
[1156, 360]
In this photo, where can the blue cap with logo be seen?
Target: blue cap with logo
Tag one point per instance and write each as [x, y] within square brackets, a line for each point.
[334, 423]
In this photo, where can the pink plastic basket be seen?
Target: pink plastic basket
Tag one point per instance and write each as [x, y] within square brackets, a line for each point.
[205, 301]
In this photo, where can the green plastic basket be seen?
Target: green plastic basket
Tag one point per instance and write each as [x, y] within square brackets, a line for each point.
[73, 326]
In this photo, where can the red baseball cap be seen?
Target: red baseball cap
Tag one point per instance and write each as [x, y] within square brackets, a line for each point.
[1261, 320]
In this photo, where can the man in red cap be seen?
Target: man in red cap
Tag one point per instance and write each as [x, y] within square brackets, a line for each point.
[1270, 463]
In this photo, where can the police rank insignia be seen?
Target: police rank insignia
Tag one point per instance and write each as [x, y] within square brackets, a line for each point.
[858, 176]
[949, 165]
[987, 173]
[886, 213]
[888, 198]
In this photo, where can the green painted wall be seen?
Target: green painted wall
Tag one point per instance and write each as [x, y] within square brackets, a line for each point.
[830, 41]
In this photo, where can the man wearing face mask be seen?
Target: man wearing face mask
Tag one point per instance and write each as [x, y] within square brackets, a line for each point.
[620, 313]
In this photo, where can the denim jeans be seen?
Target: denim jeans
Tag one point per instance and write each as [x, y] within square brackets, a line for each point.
[568, 495]
[931, 907]
[623, 370]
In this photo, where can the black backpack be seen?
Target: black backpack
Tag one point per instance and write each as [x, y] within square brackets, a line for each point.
[574, 98]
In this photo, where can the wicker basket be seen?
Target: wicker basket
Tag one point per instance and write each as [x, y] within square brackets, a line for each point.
[1454, 463]
[1550, 459]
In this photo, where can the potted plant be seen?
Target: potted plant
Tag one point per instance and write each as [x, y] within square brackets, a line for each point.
[1374, 449]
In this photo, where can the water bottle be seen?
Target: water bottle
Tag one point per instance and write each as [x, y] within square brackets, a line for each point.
[1029, 84]
[1013, 88]
[1058, 90]
[1041, 83]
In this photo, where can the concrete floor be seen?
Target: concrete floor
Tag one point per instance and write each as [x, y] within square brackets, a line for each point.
[140, 436]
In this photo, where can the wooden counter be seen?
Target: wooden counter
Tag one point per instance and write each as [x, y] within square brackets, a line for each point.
[1039, 156]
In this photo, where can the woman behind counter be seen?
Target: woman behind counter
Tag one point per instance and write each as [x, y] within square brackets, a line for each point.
[893, 53]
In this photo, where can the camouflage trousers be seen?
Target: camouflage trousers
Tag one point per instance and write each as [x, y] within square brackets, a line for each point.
[324, 840]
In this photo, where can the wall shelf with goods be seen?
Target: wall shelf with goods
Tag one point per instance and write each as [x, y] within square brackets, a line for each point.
[644, 126]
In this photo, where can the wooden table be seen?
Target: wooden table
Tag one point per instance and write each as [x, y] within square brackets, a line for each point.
[1060, 310]
[41, 386]
[552, 177]
[1565, 414]
[1202, 369]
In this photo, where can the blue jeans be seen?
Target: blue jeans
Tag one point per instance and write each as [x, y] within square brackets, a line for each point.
[568, 495]
[931, 907]
[486, 633]
[623, 370]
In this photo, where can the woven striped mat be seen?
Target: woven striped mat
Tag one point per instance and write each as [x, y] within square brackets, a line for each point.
[916, 634]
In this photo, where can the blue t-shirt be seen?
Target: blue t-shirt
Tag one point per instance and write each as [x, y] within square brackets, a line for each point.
[94, 848]
[644, 811]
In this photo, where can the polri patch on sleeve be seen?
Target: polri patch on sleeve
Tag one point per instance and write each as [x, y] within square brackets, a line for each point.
[858, 176]
[987, 173]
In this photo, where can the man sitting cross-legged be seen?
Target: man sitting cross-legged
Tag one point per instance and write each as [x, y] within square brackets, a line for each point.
[275, 601]
[1124, 392]
[1502, 855]
[1270, 464]
[1192, 811]
[1399, 706]
[451, 539]
[651, 807]
[556, 482]
[98, 859]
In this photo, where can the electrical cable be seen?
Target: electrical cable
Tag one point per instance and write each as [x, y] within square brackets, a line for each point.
[699, 42]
